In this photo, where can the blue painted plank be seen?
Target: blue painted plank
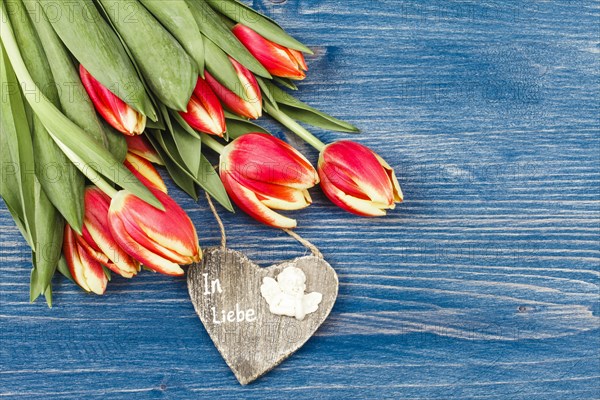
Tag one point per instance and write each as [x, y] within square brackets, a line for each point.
[483, 284]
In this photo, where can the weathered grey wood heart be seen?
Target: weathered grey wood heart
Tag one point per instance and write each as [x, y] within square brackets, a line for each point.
[225, 291]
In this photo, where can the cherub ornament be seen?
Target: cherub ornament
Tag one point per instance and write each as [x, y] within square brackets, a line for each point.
[285, 295]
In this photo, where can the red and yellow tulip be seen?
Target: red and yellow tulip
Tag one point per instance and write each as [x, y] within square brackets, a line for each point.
[204, 111]
[160, 240]
[262, 173]
[250, 106]
[357, 179]
[87, 253]
[278, 60]
[114, 110]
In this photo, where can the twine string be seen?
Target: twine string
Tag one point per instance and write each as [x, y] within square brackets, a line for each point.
[221, 226]
[313, 249]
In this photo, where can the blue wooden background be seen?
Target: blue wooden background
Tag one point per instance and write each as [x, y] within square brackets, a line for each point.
[483, 284]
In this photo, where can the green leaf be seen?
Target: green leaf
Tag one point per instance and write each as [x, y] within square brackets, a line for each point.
[209, 180]
[39, 220]
[206, 176]
[189, 147]
[94, 44]
[117, 145]
[179, 176]
[17, 216]
[305, 113]
[316, 118]
[158, 124]
[288, 83]
[219, 66]
[237, 126]
[49, 239]
[176, 17]
[107, 273]
[74, 100]
[168, 70]
[16, 149]
[268, 96]
[48, 296]
[58, 176]
[89, 154]
[214, 29]
[184, 124]
[63, 268]
[266, 27]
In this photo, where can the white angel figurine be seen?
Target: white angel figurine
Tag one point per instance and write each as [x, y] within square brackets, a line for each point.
[285, 295]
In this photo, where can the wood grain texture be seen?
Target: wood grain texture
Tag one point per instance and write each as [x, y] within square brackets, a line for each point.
[254, 345]
[483, 284]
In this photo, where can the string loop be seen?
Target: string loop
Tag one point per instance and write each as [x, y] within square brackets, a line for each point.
[313, 249]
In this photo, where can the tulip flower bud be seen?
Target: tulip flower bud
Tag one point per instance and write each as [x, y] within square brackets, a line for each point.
[262, 173]
[358, 180]
[96, 238]
[86, 271]
[160, 240]
[145, 172]
[114, 110]
[278, 60]
[140, 146]
[204, 112]
[250, 106]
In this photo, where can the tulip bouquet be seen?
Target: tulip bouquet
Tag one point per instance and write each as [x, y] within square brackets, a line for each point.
[96, 92]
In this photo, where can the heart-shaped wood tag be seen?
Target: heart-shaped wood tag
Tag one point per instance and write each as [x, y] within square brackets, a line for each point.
[225, 291]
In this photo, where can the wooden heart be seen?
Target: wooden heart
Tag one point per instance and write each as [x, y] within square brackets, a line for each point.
[226, 286]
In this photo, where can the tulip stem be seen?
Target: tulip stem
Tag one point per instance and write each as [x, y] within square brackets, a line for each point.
[295, 127]
[212, 143]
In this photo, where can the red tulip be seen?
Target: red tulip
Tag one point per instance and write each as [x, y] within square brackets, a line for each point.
[160, 240]
[140, 146]
[114, 110]
[250, 106]
[358, 180]
[86, 271]
[145, 171]
[204, 112]
[262, 173]
[278, 60]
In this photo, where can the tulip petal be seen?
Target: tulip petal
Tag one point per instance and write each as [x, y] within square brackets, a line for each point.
[145, 172]
[171, 229]
[141, 146]
[114, 110]
[204, 111]
[299, 57]
[398, 195]
[251, 109]
[365, 208]
[355, 162]
[72, 258]
[278, 60]
[93, 273]
[158, 239]
[278, 197]
[98, 236]
[251, 205]
[85, 270]
[276, 162]
[251, 87]
[146, 257]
